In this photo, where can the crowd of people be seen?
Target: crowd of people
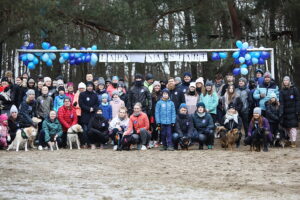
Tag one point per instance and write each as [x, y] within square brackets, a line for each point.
[148, 113]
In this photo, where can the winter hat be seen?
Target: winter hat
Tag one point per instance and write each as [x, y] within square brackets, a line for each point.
[115, 78]
[259, 71]
[187, 74]
[209, 83]
[193, 84]
[231, 105]
[101, 81]
[13, 109]
[108, 80]
[61, 88]
[200, 80]
[183, 105]
[95, 79]
[166, 91]
[273, 95]
[70, 84]
[115, 92]
[286, 78]
[47, 79]
[156, 83]
[257, 110]
[148, 77]
[89, 83]
[81, 85]
[30, 91]
[200, 104]
[4, 79]
[3, 117]
[178, 79]
[138, 76]
[244, 80]
[267, 75]
[104, 96]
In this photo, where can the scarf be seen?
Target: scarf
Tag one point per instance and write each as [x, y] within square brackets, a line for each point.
[136, 114]
[104, 104]
[233, 117]
[201, 114]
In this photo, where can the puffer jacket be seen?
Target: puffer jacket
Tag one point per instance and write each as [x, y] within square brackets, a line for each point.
[272, 112]
[27, 111]
[177, 96]
[58, 102]
[142, 95]
[203, 123]
[266, 89]
[137, 123]
[245, 95]
[265, 125]
[44, 106]
[165, 112]
[51, 128]
[184, 125]
[210, 102]
[67, 117]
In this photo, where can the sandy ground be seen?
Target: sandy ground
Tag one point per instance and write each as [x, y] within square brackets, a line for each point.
[105, 174]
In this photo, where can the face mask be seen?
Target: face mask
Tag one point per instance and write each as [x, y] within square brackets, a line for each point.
[115, 85]
[138, 83]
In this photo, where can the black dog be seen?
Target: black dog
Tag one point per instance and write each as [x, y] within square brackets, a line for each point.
[185, 143]
[280, 138]
[257, 139]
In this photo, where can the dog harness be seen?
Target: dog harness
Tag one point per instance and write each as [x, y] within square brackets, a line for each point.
[23, 134]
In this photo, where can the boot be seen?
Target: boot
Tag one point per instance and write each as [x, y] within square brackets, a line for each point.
[265, 148]
[200, 146]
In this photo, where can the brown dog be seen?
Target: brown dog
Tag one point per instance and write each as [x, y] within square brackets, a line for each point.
[232, 137]
[221, 133]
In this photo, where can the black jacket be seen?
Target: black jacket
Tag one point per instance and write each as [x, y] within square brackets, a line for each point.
[177, 96]
[272, 112]
[87, 100]
[139, 94]
[27, 111]
[232, 124]
[98, 124]
[7, 98]
[184, 125]
[16, 124]
[289, 106]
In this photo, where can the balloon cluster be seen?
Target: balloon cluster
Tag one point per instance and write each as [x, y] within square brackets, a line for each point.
[78, 58]
[29, 59]
[244, 58]
[48, 57]
[218, 55]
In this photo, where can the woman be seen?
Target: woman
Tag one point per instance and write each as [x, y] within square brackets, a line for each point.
[118, 126]
[155, 96]
[204, 126]
[98, 130]
[28, 107]
[52, 131]
[191, 98]
[232, 121]
[210, 99]
[290, 108]
[259, 123]
[200, 86]
[230, 96]
[81, 88]
[101, 90]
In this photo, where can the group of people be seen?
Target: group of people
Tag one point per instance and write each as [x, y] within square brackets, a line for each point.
[148, 112]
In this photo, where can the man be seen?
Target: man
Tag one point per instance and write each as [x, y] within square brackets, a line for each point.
[89, 77]
[149, 82]
[88, 102]
[139, 93]
[230, 80]
[44, 104]
[67, 117]
[176, 94]
[187, 79]
[138, 130]
[52, 89]
[219, 84]
[263, 92]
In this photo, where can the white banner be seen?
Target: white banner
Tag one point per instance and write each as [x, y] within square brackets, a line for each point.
[195, 57]
[155, 57]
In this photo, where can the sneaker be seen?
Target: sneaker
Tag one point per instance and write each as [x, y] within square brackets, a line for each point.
[170, 148]
[163, 148]
[115, 147]
[40, 148]
[144, 148]
[293, 144]
[208, 146]
[93, 146]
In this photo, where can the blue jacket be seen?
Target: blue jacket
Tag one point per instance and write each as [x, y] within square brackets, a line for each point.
[267, 90]
[210, 102]
[58, 102]
[106, 111]
[165, 112]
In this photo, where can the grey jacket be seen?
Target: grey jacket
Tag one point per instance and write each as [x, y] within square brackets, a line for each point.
[44, 106]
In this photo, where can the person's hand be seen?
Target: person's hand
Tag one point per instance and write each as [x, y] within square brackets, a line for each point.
[262, 95]
[8, 138]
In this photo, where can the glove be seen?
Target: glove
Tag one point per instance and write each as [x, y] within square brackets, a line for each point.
[8, 138]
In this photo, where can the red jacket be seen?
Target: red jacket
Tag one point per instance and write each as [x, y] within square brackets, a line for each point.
[71, 95]
[138, 122]
[67, 117]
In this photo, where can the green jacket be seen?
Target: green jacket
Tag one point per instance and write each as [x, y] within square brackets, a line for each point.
[51, 128]
[150, 87]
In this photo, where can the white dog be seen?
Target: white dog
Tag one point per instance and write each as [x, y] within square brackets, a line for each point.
[73, 135]
[53, 143]
[23, 136]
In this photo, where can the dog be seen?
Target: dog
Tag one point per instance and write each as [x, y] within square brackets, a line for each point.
[222, 134]
[72, 135]
[31, 140]
[280, 138]
[23, 136]
[53, 143]
[217, 130]
[257, 140]
[185, 143]
[232, 136]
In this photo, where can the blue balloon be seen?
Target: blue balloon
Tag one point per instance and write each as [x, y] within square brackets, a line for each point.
[31, 65]
[52, 56]
[236, 71]
[89, 48]
[35, 60]
[45, 57]
[45, 45]
[254, 60]
[53, 48]
[49, 63]
[30, 56]
[242, 60]
[66, 47]
[61, 60]
[215, 56]
[77, 55]
[88, 58]
[24, 57]
[94, 47]
[23, 47]
[223, 55]
[38, 54]
[82, 48]
[30, 46]
[236, 61]
[239, 44]
[236, 54]
[265, 55]
[78, 61]
[243, 52]
[244, 71]
[247, 56]
[244, 66]
[72, 62]
[65, 56]
[256, 54]
[261, 61]
[72, 56]
[94, 58]
[93, 63]
[245, 45]
[26, 62]
[248, 62]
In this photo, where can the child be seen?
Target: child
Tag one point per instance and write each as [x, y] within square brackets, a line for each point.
[106, 107]
[272, 113]
[59, 99]
[4, 135]
[116, 103]
[165, 116]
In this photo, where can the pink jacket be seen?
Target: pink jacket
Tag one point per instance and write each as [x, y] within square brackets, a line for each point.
[116, 105]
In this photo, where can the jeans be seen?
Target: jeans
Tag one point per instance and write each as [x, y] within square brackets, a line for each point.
[166, 135]
[142, 138]
[204, 137]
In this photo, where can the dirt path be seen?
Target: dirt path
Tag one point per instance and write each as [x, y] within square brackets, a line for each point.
[105, 174]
